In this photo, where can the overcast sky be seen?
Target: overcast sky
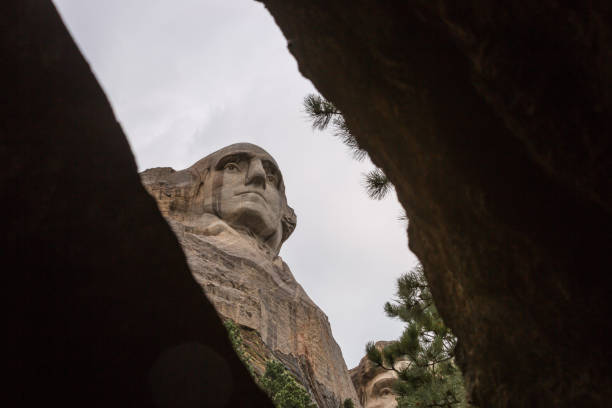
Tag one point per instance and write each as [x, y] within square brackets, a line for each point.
[187, 77]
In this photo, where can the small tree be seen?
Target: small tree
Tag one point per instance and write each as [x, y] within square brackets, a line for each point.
[283, 389]
[323, 113]
[348, 403]
[233, 333]
[429, 376]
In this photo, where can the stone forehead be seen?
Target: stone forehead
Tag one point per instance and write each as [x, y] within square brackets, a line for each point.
[206, 172]
[212, 159]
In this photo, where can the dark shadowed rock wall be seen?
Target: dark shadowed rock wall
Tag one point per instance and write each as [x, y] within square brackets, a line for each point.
[493, 122]
[102, 308]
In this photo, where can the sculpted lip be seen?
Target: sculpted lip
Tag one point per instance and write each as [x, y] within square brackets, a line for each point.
[252, 192]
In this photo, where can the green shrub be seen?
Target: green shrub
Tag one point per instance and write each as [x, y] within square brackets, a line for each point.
[283, 389]
[348, 403]
[233, 333]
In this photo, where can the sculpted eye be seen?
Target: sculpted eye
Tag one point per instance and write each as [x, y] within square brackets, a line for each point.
[231, 166]
[272, 179]
[272, 175]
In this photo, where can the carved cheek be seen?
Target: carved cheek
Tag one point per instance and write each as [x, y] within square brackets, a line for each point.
[217, 187]
[278, 207]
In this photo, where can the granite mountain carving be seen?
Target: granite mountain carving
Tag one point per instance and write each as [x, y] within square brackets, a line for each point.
[230, 213]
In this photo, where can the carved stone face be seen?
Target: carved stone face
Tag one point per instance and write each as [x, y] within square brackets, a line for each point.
[374, 385]
[242, 185]
[249, 196]
[239, 184]
[379, 391]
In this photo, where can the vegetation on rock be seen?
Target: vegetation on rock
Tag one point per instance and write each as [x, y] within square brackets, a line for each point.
[233, 333]
[282, 388]
[348, 403]
[423, 357]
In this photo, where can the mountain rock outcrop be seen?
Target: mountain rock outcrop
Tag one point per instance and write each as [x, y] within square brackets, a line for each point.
[230, 214]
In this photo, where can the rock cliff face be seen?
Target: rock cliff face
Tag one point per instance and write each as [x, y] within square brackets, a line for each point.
[249, 284]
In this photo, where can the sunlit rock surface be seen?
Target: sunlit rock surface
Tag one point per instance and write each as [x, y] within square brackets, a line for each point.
[231, 216]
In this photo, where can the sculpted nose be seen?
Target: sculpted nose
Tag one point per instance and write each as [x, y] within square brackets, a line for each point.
[256, 174]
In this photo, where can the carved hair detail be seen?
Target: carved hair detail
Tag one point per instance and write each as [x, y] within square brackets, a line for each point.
[289, 221]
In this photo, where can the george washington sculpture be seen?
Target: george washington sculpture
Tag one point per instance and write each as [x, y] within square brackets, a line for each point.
[230, 214]
[239, 186]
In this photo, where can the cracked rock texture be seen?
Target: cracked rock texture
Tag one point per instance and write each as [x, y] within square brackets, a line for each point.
[493, 122]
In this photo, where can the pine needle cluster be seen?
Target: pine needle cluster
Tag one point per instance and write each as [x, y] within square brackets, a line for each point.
[428, 376]
[323, 113]
[233, 332]
[320, 110]
[377, 184]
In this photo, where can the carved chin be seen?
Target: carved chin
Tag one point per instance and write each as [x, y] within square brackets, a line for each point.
[253, 219]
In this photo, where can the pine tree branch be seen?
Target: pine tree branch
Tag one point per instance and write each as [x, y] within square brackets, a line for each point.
[377, 184]
[387, 368]
[343, 132]
[445, 404]
[320, 110]
[434, 363]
